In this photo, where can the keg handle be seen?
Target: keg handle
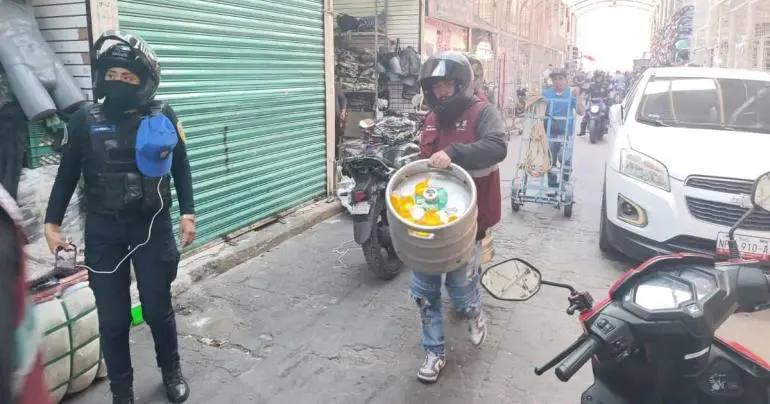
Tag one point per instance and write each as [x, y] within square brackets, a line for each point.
[438, 168]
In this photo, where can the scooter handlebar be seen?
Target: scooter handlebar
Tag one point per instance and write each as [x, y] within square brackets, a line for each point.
[578, 357]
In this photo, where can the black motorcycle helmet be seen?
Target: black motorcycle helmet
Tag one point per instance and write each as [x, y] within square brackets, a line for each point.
[132, 53]
[452, 66]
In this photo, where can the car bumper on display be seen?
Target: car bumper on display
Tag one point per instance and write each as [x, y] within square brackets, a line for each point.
[695, 216]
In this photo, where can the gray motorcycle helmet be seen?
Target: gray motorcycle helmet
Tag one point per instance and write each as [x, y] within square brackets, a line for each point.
[131, 52]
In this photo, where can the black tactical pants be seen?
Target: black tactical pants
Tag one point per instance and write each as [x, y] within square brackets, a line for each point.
[108, 239]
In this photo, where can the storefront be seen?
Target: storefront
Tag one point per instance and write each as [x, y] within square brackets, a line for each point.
[446, 26]
[247, 79]
[358, 44]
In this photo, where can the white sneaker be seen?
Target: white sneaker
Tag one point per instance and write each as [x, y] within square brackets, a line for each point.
[431, 367]
[478, 328]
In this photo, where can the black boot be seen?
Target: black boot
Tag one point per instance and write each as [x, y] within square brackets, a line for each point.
[177, 390]
[122, 394]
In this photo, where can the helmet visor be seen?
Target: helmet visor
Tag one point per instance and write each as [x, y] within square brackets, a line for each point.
[443, 69]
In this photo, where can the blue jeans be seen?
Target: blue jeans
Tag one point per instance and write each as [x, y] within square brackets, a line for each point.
[557, 154]
[463, 287]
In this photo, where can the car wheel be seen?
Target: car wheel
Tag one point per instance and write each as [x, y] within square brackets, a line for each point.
[604, 240]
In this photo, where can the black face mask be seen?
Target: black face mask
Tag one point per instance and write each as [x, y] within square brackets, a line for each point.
[120, 96]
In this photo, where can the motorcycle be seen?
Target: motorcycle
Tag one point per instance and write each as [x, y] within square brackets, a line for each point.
[370, 171]
[652, 340]
[597, 119]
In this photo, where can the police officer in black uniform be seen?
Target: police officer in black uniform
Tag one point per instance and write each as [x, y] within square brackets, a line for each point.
[128, 148]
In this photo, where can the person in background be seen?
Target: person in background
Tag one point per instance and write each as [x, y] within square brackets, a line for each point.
[478, 77]
[21, 363]
[466, 131]
[546, 75]
[599, 89]
[564, 103]
[341, 113]
[128, 148]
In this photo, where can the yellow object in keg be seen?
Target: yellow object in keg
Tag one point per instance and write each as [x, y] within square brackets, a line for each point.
[403, 205]
[395, 200]
[407, 202]
[431, 218]
[421, 186]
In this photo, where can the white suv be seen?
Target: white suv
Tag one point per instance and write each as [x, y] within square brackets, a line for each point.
[686, 145]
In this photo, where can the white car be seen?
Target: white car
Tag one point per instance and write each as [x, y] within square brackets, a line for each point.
[686, 145]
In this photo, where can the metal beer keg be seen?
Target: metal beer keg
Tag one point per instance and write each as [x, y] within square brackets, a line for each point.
[432, 216]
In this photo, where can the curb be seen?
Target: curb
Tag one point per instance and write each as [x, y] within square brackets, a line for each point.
[221, 256]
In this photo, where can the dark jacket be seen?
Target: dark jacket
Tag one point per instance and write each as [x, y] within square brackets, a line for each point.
[476, 143]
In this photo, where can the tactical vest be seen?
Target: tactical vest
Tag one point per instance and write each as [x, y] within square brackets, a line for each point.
[114, 184]
[487, 180]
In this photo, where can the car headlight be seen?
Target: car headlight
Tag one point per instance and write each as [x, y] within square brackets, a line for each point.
[594, 108]
[644, 168]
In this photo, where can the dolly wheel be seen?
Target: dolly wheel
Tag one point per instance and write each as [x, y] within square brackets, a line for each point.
[515, 206]
[568, 211]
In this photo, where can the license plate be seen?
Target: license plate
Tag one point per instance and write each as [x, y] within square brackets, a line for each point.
[361, 208]
[750, 247]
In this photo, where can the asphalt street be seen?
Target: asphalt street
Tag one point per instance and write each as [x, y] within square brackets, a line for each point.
[307, 323]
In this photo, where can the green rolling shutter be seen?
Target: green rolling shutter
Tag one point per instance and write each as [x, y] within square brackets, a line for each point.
[246, 78]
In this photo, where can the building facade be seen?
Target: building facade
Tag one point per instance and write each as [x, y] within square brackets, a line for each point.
[247, 79]
[732, 33]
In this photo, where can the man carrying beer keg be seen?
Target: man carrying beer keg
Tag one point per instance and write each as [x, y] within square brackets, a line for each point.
[466, 131]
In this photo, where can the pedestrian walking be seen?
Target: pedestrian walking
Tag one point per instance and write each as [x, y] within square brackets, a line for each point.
[566, 107]
[341, 114]
[478, 77]
[466, 131]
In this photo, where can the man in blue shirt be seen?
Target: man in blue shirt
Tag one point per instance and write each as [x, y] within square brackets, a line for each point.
[563, 104]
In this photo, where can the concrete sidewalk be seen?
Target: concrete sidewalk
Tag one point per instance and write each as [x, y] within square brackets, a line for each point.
[750, 330]
[219, 257]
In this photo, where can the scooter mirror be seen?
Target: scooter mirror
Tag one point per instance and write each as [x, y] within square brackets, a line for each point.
[513, 280]
[760, 195]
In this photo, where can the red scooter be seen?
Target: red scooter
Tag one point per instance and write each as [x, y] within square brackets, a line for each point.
[652, 340]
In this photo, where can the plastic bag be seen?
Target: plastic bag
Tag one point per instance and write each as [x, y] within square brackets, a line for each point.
[34, 192]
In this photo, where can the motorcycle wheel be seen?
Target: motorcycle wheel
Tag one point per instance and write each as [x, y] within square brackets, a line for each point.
[568, 211]
[382, 267]
[594, 132]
